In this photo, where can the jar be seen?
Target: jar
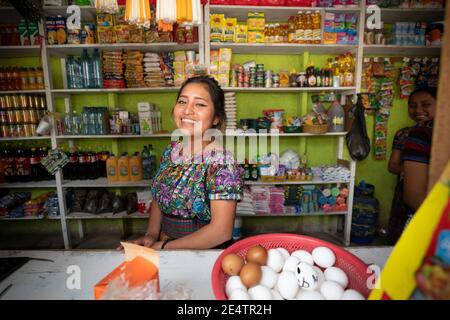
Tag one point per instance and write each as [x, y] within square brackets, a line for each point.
[26, 115]
[39, 78]
[301, 79]
[17, 80]
[13, 131]
[20, 130]
[284, 79]
[24, 79]
[28, 130]
[31, 79]
[19, 116]
[33, 116]
[12, 116]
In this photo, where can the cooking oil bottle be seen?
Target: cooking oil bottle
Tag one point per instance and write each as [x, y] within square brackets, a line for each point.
[316, 29]
[299, 29]
[308, 28]
[124, 167]
[112, 171]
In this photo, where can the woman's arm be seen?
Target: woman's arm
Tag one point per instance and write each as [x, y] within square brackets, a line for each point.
[415, 183]
[218, 231]
[395, 165]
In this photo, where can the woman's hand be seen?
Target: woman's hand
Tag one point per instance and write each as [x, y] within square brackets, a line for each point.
[146, 241]
[157, 245]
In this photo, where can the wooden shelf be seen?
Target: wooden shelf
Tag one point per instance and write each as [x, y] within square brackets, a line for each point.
[284, 48]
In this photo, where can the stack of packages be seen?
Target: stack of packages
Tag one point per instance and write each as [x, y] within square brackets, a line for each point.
[113, 70]
[154, 76]
[230, 111]
[167, 68]
[260, 198]
[179, 66]
[134, 71]
[276, 200]
[35, 206]
[220, 66]
[245, 206]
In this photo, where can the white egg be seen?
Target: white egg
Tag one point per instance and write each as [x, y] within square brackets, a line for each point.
[320, 277]
[287, 285]
[306, 276]
[234, 283]
[276, 295]
[331, 290]
[269, 277]
[323, 257]
[284, 253]
[275, 260]
[239, 294]
[291, 264]
[351, 294]
[309, 295]
[303, 256]
[337, 275]
[260, 292]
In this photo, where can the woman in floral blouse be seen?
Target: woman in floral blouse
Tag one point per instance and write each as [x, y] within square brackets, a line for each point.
[195, 193]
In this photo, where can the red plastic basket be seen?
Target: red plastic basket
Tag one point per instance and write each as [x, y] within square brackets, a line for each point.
[354, 267]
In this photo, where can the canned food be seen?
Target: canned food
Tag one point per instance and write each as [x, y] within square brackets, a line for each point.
[13, 131]
[30, 102]
[11, 116]
[33, 116]
[20, 130]
[33, 129]
[16, 101]
[2, 102]
[19, 116]
[26, 116]
[23, 101]
[4, 117]
[8, 102]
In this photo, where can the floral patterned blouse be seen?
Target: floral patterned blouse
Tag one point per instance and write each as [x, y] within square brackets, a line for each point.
[183, 187]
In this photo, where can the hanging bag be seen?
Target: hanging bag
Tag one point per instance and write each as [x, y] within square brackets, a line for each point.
[358, 142]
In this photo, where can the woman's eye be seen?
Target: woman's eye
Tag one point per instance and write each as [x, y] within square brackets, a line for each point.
[181, 102]
[201, 105]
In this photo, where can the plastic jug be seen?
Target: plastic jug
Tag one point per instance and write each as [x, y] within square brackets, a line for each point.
[136, 173]
[112, 169]
[336, 114]
[124, 167]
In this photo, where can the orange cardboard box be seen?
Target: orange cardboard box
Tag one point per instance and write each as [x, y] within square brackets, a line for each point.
[140, 266]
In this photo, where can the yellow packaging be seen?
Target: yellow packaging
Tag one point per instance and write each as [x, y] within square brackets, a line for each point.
[216, 22]
[224, 67]
[214, 56]
[228, 31]
[255, 37]
[256, 21]
[224, 80]
[122, 33]
[178, 67]
[179, 79]
[225, 54]
[329, 38]
[105, 19]
[240, 33]
[105, 34]
[179, 56]
[214, 67]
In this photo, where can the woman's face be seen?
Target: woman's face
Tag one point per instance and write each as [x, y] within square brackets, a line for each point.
[422, 107]
[194, 107]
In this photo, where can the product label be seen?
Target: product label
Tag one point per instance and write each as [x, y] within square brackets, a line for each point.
[338, 121]
[111, 171]
[134, 170]
[123, 170]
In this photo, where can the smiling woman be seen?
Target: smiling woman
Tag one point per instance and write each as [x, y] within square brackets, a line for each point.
[194, 200]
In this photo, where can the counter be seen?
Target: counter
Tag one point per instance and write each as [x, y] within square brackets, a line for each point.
[188, 268]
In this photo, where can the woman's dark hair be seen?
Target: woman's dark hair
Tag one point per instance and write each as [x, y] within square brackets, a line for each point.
[432, 91]
[216, 94]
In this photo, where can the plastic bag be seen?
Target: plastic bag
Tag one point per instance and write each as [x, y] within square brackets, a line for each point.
[105, 204]
[117, 204]
[14, 199]
[358, 142]
[132, 205]
[93, 200]
[79, 198]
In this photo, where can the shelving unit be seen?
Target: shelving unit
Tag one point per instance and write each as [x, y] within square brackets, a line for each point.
[203, 47]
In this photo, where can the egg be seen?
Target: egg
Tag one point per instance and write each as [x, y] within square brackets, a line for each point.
[284, 253]
[257, 254]
[275, 260]
[291, 264]
[309, 295]
[351, 294]
[251, 274]
[303, 256]
[269, 277]
[239, 294]
[331, 290]
[337, 275]
[320, 277]
[323, 257]
[232, 264]
[234, 283]
[276, 295]
[287, 285]
[306, 276]
[260, 292]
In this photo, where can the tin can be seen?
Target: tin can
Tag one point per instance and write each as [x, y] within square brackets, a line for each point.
[26, 116]
[20, 130]
[23, 101]
[12, 116]
[4, 130]
[15, 101]
[33, 116]
[2, 102]
[33, 128]
[13, 131]
[19, 116]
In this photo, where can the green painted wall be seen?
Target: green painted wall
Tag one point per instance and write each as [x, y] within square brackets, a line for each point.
[320, 150]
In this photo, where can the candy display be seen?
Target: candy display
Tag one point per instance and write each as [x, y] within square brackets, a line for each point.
[21, 114]
[418, 72]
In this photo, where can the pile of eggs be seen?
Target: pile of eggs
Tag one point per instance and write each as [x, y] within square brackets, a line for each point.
[275, 274]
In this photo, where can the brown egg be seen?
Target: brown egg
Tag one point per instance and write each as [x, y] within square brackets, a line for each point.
[251, 274]
[232, 264]
[257, 254]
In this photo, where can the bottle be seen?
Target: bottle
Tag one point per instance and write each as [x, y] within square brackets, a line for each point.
[291, 30]
[247, 172]
[112, 168]
[146, 167]
[68, 122]
[92, 165]
[82, 166]
[76, 123]
[299, 29]
[104, 157]
[254, 173]
[124, 167]
[23, 165]
[152, 157]
[93, 122]
[136, 173]
[87, 70]
[319, 78]
[336, 114]
[85, 119]
[74, 165]
[310, 78]
[97, 70]
[308, 28]
[66, 169]
[316, 28]
[10, 165]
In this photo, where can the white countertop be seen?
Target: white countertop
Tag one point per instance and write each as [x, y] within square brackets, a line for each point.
[187, 268]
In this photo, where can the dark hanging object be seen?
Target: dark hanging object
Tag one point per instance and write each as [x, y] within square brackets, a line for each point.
[358, 142]
[29, 9]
